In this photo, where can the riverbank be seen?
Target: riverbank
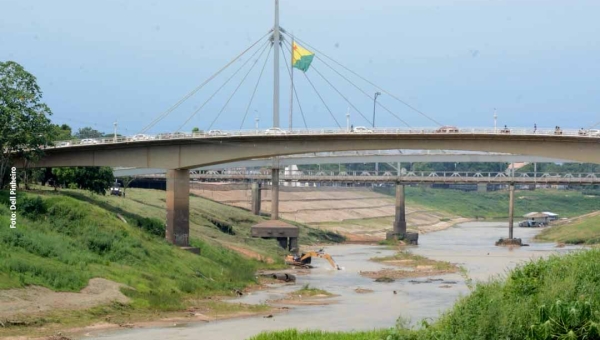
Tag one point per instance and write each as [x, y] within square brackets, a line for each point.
[78, 259]
[363, 304]
[550, 298]
[583, 229]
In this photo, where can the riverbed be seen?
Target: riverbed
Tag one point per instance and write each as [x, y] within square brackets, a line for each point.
[470, 245]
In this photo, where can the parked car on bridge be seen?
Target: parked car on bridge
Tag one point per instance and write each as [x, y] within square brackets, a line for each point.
[89, 141]
[362, 129]
[140, 136]
[447, 129]
[217, 133]
[275, 131]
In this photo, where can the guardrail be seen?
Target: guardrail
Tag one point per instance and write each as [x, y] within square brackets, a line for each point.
[309, 132]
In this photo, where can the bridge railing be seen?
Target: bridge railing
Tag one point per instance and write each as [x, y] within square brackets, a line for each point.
[325, 131]
[393, 174]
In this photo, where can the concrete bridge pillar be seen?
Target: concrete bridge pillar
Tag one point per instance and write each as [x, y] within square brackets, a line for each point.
[178, 209]
[399, 231]
[274, 194]
[400, 219]
[256, 197]
[511, 209]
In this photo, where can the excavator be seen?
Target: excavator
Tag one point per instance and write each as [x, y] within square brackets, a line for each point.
[305, 259]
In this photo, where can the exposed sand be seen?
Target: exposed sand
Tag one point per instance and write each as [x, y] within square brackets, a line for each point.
[357, 213]
[34, 299]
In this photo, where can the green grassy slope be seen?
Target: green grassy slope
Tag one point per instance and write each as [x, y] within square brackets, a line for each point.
[64, 239]
[494, 205]
[583, 231]
[556, 298]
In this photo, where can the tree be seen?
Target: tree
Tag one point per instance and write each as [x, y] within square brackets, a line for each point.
[95, 179]
[24, 123]
[88, 132]
[61, 132]
[194, 130]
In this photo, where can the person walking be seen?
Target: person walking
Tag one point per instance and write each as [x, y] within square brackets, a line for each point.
[534, 127]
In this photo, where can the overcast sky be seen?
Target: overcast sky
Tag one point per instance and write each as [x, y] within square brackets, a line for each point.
[535, 61]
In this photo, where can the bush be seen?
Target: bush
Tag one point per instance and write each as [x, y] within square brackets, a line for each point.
[32, 207]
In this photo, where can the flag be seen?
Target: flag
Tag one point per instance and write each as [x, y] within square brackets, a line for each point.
[301, 57]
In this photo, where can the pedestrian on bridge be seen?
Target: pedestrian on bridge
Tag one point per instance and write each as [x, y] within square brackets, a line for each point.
[534, 127]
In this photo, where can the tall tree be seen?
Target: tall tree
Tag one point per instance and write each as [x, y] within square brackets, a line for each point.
[24, 122]
[88, 132]
[61, 132]
[95, 179]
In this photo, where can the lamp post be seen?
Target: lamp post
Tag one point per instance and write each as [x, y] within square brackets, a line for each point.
[348, 120]
[256, 124]
[377, 94]
[115, 135]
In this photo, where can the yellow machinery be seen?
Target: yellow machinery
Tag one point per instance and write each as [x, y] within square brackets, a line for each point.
[304, 260]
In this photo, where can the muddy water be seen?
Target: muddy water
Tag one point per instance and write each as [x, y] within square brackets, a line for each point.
[470, 245]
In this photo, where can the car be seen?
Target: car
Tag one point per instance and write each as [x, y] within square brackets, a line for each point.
[140, 136]
[594, 132]
[362, 129]
[63, 144]
[447, 129]
[217, 133]
[89, 141]
[275, 131]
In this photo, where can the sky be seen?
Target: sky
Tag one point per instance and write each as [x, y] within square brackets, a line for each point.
[97, 62]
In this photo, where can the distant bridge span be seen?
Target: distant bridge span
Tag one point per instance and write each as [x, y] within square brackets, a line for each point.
[192, 152]
[456, 177]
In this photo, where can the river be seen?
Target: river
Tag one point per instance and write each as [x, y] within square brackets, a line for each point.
[470, 245]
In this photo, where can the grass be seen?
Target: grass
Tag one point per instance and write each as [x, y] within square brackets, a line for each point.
[554, 298]
[308, 291]
[65, 239]
[293, 334]
[494, 205]
[412, 260]
[585, 231]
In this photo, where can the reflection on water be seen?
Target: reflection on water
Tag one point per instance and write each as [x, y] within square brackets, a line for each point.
[470, 245]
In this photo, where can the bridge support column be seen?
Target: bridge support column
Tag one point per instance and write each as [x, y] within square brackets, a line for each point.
[256, 198]
[511, 209]
[399, 231]
[274, 194]
[178, 209]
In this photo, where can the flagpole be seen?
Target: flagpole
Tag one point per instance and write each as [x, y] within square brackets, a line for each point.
[292, 82]
[276, 40]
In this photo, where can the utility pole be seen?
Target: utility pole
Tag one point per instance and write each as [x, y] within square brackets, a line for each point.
[276, 40]
[256, 124]
[377, 94]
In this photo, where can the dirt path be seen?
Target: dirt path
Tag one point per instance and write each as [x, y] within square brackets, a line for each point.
[34, 299]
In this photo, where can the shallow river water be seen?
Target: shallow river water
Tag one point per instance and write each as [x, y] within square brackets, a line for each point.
[470, 245]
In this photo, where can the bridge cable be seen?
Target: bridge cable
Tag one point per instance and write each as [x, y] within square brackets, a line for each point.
[239, 85]
[322, 100]
[593, 126]
[194, 91]
[364, 92]
[294, 87]
[256, 87]
[344, 97]
[320, 97]
[221, 87]
[366, 80]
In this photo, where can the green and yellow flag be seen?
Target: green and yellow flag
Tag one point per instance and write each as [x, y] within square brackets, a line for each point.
[301, 57]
